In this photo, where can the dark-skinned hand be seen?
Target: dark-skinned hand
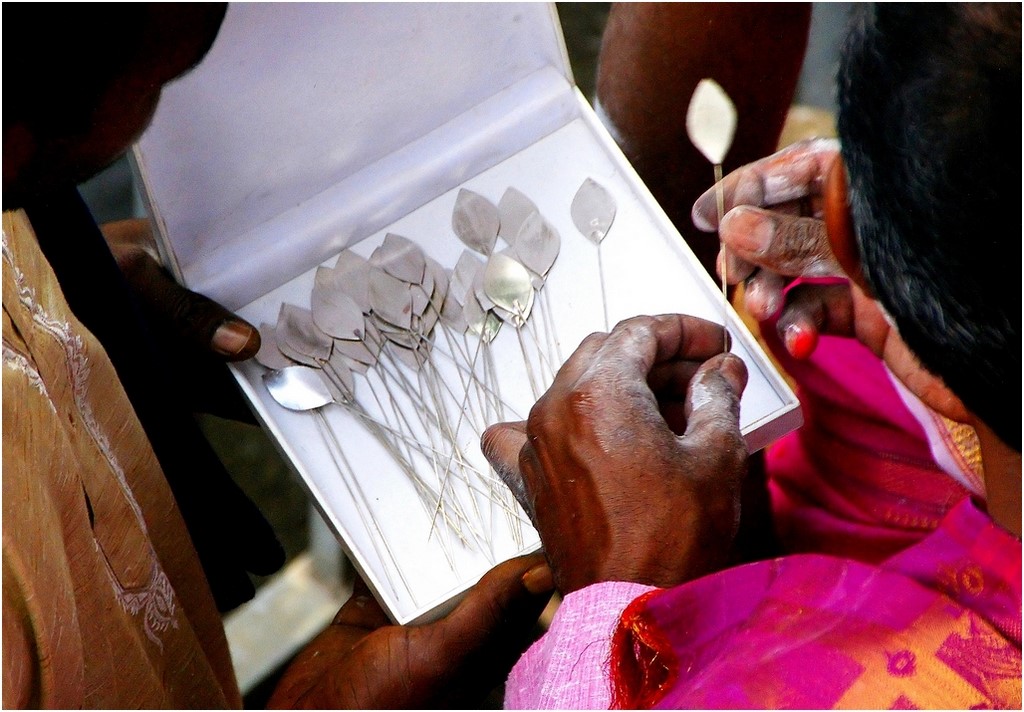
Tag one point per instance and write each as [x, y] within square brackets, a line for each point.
[362, 661]
[196, 333]
[776, 229]
[630, 465]
[196, 318]
[773, 231]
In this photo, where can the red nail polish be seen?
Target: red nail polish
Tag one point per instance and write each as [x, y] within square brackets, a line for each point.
[800, 342]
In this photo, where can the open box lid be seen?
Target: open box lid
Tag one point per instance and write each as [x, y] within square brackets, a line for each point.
[275, 153]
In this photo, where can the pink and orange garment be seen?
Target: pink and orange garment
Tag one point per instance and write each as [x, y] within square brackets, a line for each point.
[936, 626]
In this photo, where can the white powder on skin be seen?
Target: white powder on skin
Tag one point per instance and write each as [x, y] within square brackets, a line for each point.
[711, 390]
[700, 394]
[789, 180]
[784, 185]
[605, 377]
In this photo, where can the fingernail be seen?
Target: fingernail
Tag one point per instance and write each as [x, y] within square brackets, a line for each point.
[800, 342]
[697, 214]
[234, 337]
[761, 301]
[539, 579]
[734, 371]
[749, 231]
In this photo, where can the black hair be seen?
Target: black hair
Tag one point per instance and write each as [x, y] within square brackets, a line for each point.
[930, 124]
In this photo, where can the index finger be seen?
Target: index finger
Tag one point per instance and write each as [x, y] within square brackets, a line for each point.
[787, 246]
[795, 172]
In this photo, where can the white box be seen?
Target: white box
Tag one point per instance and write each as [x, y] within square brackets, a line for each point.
[309, 129]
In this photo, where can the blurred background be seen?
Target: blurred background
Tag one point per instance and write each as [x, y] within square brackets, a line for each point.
[245, 449]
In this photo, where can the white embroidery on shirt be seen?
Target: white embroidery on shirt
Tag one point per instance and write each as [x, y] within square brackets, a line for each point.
[17, 361]
[156, 598]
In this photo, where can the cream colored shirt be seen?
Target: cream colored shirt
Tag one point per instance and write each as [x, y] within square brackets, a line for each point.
[104, 600]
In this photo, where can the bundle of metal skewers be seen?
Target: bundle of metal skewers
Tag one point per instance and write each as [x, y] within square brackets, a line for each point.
[378, 329]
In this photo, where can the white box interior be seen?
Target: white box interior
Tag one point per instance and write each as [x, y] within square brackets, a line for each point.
[253, 187]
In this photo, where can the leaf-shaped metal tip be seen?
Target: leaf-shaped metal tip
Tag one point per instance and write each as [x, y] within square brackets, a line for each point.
[480, 292]
[299, 338]
[390, 299]
[334, 312]
[474, 314]
[352, 274]
[358, 351]
[537, 244]
[475, 221]
[400, 257]
[440, 277]
[491, 327]
[461, 282]
[513, 209]
[269, 355]
[509, 286]
[298, 388]
[711, 120]
[593, 210]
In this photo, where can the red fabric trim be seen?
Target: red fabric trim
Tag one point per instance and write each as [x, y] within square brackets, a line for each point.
[643, 664]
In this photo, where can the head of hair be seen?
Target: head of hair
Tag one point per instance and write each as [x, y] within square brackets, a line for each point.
[67, 56]
[929, 119]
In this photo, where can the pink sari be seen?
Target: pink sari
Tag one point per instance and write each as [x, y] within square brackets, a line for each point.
[936, 626]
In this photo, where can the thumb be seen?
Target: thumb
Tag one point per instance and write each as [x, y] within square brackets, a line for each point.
[713, 417]
[459, 658]
[194, 317]
[713, 395]
[361, 610]
[501, 445]
[501, 609]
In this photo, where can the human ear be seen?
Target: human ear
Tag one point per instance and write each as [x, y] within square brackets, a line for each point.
[839, 225]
